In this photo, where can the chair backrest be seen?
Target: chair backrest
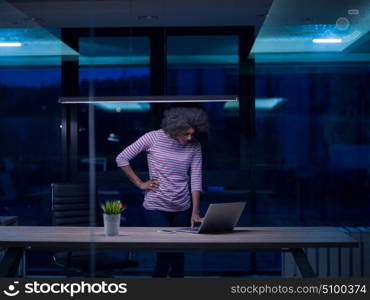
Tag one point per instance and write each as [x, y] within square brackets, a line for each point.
[71, 204]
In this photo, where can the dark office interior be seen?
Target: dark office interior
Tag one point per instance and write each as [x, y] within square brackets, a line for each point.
[295, 146]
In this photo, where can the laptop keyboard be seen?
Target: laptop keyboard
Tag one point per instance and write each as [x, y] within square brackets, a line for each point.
[188, 229]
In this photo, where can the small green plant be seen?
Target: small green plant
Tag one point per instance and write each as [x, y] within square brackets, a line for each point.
[112, 207]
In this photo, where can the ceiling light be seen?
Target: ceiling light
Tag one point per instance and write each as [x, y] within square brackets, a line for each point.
[10, 44]
[353, 11]
[268, 103]
[327, 41]
[260, 104]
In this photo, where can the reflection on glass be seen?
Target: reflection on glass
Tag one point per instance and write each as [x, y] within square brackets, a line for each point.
[113, 66]
[208, 65]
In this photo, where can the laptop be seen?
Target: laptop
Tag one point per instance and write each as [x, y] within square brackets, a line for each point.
[220, 217]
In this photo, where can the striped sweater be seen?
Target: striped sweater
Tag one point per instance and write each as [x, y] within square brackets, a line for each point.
[173, 164]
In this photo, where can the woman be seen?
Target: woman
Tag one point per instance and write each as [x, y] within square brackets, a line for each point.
[174, 160]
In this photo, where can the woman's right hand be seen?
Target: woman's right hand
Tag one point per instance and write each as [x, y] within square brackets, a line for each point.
[150, 185]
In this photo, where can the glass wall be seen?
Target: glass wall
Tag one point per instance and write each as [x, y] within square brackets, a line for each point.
[311, 164]
[113, 66]
[316, 139]
[312, 155]
[208, 65]
[31, 155]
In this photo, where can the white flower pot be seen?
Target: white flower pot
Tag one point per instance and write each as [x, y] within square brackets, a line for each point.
[111, 224]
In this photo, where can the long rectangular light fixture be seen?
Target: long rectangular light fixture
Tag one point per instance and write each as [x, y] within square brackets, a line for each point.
[327, 41]
[10, 44]
[149, 99]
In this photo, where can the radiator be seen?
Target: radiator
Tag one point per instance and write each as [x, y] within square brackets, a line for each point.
[335, 262]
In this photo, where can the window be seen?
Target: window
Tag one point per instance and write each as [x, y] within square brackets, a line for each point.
[208, 65]
[113, 66]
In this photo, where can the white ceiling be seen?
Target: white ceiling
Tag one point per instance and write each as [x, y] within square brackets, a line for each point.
[118, 13]
[283, 38]
[287, 26]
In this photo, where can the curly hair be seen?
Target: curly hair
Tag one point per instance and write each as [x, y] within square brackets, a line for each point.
[178, 119]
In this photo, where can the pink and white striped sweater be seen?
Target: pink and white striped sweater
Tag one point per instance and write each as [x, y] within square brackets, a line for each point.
[173, 164]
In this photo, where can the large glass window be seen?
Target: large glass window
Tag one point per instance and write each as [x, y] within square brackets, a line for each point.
[316, 137]
[313, 138]
[113, 66]
[208, 65]
[30, 157]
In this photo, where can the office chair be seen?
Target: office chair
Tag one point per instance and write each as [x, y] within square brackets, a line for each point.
[71, 207]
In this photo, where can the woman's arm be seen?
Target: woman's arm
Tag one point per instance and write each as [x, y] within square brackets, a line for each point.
[196, 184]
[195, 213]
[151, 184]
[142, 144]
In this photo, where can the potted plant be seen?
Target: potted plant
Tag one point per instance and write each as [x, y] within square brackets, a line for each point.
[112, 216]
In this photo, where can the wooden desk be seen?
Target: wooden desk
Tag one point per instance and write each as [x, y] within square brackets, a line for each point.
[16, 257]
[292, 239]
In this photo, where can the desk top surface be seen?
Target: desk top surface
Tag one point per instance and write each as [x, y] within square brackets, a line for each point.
[150, 238]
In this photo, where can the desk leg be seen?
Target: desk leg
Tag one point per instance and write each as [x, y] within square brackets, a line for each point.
[302, 262]
[10, 262]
